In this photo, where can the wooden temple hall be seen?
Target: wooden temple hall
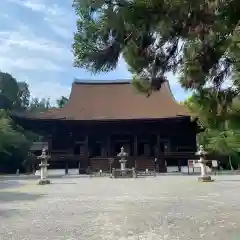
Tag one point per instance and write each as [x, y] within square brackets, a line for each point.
[101, 117]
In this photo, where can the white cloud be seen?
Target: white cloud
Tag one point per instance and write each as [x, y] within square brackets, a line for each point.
[23, 37]
[44, 58]
[61, 31]
[59, 19]
[22, 49]
[34, 5]
[37, 64]
[48, 89]
[62, 22]
[5, 15]
[34, 56]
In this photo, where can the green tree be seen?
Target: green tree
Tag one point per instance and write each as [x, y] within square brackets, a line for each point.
[29, 162]
[39, 105]
[14, 145]
[23, 95]
[225, 142]
[220, 136]
[13, 95]
[198, 39]
[62, 101]
[8, 91]
[9, 137]
[14, 140]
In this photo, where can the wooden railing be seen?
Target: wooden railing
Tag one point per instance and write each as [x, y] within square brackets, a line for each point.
[179, 154]
[64, 157]
[144, 163]
[98, 163]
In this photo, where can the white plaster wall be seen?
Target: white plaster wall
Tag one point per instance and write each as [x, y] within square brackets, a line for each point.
[52, 172]
[172, 169]
[73, 171]
[184, 169]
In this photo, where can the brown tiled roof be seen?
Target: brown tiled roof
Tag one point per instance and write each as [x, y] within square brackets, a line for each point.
[116, 101]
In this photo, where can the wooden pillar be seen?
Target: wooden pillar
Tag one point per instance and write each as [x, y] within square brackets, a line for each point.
[179, 165]
[159, 155]
[135, 150]
[104, 146]
[158, 146]
[49, 140]
[109, 146]
[86, 151]
[79, 167]
[66, 169]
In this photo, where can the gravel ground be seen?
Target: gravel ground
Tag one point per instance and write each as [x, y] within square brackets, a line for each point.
[164, 207]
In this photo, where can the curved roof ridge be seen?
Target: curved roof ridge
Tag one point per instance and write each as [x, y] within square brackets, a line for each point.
[102, 82]
[171, 93]
[112, 100]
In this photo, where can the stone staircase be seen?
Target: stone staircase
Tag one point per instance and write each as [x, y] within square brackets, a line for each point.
[99, 163]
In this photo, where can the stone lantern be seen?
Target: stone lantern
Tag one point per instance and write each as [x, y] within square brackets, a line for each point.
[202, 161]
[123, 172]
[123, 158]
[43, 167]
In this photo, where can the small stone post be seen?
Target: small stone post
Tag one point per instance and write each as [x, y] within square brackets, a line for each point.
[66, 169]
[113, 173]
[43, 168]
[134, 172]
[202, 155]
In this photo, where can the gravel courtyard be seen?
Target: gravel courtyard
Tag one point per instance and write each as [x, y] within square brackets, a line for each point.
[165, 207]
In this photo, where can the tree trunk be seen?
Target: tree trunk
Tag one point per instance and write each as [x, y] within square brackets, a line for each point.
[230, 162]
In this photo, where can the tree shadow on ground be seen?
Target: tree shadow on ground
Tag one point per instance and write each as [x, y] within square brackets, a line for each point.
[8, 213]
[11, 197]
[10, 184]
[18, 196]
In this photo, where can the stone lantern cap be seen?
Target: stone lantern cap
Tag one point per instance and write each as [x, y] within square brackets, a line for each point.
[201, 151]
[44, 155]
[122, 155]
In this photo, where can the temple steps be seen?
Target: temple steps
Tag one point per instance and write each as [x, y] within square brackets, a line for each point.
[99, 163]
[103, 164]
[143, 164]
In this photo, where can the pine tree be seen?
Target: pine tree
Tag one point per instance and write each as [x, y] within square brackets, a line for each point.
[199, 39]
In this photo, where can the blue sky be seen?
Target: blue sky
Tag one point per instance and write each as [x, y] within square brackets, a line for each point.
[35, 46]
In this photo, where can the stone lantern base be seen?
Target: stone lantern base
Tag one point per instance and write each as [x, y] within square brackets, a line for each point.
[43, 182]
[205, 179]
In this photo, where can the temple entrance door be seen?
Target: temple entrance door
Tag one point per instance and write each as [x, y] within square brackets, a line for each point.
[79, 151]
[164, 146]
[79, 148]
[161, 160]
[161, 164]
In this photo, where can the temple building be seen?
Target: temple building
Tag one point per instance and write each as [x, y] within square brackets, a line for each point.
[101, 117]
